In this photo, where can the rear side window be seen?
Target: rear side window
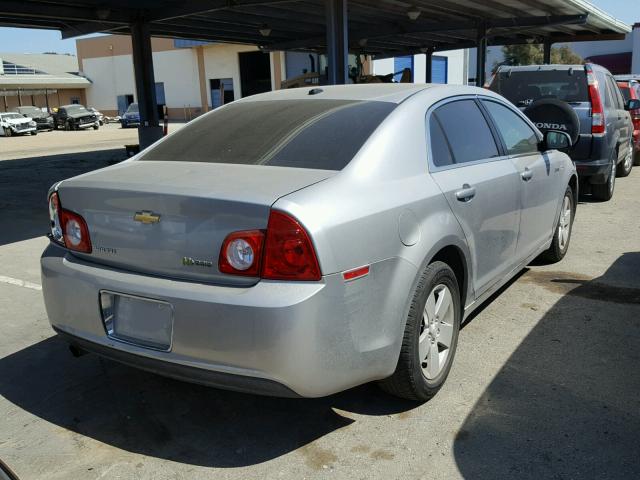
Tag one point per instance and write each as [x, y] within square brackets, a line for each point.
[466, 131]
[440, 152]
[318, 134]
[518, 137]
[522, 88]
[626, 93]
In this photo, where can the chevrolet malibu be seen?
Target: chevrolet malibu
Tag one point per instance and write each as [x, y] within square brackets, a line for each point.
[302, 242]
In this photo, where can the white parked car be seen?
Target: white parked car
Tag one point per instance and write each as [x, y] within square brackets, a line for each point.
[16, 124]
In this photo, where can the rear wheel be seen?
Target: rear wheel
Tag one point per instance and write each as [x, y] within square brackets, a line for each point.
[604, 191]
[430, 337]
[627, 163]
[562, 234]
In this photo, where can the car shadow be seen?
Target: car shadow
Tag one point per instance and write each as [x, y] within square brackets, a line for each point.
[159, 417]
[567, 402]
[24, 184]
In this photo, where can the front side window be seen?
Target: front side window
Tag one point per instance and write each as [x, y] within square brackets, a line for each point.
[467, 131]
[518, 137]
[318, 134]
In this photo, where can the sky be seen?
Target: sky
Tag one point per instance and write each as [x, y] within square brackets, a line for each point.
[21, 40]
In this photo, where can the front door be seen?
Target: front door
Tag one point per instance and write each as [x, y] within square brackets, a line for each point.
[481, 186]
[539, 176]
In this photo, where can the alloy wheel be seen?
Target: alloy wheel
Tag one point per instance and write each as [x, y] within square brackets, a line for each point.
[564, 224]
[436, 331]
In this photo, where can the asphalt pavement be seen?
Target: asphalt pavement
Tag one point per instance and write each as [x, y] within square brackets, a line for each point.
[545, 382]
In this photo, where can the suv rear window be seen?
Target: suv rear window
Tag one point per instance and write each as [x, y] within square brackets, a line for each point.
[626, 92]
[522, 88]
[318, 134]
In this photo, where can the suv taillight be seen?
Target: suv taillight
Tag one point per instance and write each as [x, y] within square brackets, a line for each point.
[597, 113]
[283, 252]
[68, 228]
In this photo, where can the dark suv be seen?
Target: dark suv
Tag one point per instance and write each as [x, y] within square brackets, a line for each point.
[584, 101]
[43, 119]
[75, 117]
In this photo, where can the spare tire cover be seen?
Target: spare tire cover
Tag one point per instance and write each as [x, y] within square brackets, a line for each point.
[553, 114]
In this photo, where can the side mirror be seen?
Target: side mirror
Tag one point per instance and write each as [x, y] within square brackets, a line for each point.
[555, 140]
[632, 104]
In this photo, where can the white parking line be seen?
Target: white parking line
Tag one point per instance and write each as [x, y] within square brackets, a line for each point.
[20, 283]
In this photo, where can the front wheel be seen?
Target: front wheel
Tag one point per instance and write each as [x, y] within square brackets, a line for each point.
[562, 233]
[7, 132]
[430, 336]
[35, 132]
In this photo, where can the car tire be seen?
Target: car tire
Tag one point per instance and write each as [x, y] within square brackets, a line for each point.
[431, 323]
[636, 159]
[562, 230]
[7, 132]
[627, 164]
[34, 133]
[96, 127]
[604, 191]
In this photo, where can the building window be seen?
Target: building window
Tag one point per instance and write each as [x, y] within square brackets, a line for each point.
[75, 100]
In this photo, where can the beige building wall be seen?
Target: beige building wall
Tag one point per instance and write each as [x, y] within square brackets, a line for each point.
[186, 72]
[62, 97]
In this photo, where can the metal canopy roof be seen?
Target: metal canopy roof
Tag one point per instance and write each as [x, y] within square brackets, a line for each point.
[378, 27]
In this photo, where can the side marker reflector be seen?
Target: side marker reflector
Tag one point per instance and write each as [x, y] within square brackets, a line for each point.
[355, 273]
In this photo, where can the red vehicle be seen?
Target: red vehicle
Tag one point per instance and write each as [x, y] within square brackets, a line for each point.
[631, 89]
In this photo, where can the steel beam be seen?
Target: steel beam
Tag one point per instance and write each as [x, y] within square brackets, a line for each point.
[337, 41]
[429, 66]
[546, 46]
[481, 55]
[150, 130]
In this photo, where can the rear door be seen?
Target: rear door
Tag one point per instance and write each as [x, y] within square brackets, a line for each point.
[617, 132]
[480, 184]
[621, 117]
[540, 177]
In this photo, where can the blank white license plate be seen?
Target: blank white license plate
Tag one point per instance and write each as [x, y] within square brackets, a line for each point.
[137, 320]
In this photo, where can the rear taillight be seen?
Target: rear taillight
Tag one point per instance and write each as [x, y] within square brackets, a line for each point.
[68, 228]
[284, 252]
[241, 253]
[289, 253]
[597, 113]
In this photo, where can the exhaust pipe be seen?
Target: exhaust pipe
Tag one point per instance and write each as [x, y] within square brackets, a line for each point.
[77, 352]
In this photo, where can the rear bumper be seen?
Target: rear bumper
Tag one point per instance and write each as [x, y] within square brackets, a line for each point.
[281, 338]
[595, 172]
[201, 376]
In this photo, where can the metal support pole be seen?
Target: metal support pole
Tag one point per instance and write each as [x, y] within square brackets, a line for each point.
[149, 130]
[46, 99]
[481, 55]
[19, 98]
[547, 52]
[428, 72]
[337, 41]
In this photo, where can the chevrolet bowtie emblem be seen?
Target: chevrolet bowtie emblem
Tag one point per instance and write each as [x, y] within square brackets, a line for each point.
[146, 217]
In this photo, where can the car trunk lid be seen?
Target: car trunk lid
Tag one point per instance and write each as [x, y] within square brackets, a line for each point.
[170, 218]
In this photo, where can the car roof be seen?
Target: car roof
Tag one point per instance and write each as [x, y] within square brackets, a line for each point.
[384, 92]
[534, 68]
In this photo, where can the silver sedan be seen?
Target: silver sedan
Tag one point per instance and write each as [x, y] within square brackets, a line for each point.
[302, 242]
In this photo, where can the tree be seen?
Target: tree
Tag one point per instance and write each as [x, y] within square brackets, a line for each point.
[533, 54]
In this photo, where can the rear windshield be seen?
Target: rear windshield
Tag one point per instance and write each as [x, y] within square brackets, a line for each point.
[319, 134]
[523, 88]
[133, 108]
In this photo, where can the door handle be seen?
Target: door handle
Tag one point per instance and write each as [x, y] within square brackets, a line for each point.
[466, 194]
[527, 175]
